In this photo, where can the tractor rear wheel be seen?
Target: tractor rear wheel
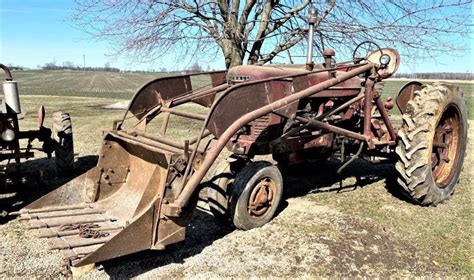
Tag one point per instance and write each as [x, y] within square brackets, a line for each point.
[256, 194]
[64, 151]
[432, 144]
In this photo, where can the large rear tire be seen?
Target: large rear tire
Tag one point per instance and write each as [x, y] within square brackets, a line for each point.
[256, 194]
[432, 143]
[64, 151]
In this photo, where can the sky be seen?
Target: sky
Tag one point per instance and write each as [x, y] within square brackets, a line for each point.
[35, 32]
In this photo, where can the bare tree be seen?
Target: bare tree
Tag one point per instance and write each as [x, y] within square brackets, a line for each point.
[259, 30]
[195, 67]
[68, 64]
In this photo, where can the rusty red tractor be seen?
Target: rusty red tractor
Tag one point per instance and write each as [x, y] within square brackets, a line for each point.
[142, 193]
[58, 140]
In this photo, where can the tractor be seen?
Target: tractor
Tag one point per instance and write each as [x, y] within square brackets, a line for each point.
[59, 140]
[142, 193]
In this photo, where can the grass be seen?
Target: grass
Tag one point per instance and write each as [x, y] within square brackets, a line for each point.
[85, 84]
[88, 119]
[415, 241]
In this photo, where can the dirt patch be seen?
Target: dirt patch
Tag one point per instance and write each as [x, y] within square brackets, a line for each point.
[121, 105]
[368, 250]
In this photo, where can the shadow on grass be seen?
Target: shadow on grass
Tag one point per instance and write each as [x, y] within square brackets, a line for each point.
[308, 178]
[22, 184]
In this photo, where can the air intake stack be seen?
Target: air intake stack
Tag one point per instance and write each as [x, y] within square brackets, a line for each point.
[312, 17]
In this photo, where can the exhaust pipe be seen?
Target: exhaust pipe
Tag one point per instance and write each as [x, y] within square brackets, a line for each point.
[7, 72]
[10, 91]
[312, 17]
[12, 98]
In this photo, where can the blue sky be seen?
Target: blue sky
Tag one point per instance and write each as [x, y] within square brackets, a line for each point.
[34, 32]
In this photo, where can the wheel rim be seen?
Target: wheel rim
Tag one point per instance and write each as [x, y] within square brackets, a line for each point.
[446, 147]
[262, 198]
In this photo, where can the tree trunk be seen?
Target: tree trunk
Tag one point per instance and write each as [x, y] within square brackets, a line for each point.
[254, 53]
[233, 54]
[236, 59]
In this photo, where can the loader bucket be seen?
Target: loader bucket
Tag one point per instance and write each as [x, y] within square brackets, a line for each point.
[110, 211]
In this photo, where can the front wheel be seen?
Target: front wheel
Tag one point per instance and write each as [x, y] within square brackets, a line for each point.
[256, 194]
[432, 144]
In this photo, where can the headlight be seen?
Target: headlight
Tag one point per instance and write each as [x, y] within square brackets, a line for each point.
[8, 135]
[384, 59]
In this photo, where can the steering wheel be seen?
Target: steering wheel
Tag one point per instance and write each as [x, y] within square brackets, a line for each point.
[368, 49]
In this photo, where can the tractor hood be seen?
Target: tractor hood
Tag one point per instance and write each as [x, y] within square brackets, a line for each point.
[257, 72]
[246, 73]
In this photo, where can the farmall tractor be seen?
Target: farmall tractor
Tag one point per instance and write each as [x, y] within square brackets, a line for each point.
[58, 140]
[142, 193]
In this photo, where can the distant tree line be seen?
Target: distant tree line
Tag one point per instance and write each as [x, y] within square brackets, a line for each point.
[67, 65]
[436, 76]
[15, 67]
[197, 68]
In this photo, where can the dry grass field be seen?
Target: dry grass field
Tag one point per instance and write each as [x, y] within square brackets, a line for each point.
[328, 225]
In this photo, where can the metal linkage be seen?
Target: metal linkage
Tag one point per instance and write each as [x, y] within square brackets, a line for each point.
[184, 114]
[356, 155]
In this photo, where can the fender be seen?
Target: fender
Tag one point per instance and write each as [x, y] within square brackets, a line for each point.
[407, 93]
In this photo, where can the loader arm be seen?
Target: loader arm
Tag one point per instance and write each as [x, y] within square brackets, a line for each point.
[164, 89]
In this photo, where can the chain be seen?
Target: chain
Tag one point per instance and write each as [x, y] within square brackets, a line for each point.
[85, 230]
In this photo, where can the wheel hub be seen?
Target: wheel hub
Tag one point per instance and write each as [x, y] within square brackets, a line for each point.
[446, 143]
[261, 198]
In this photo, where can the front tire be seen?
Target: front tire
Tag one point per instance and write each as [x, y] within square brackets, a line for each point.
[256, 194]
[432, 144]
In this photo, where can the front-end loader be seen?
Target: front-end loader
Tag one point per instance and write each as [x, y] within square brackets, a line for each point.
[142, 192]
